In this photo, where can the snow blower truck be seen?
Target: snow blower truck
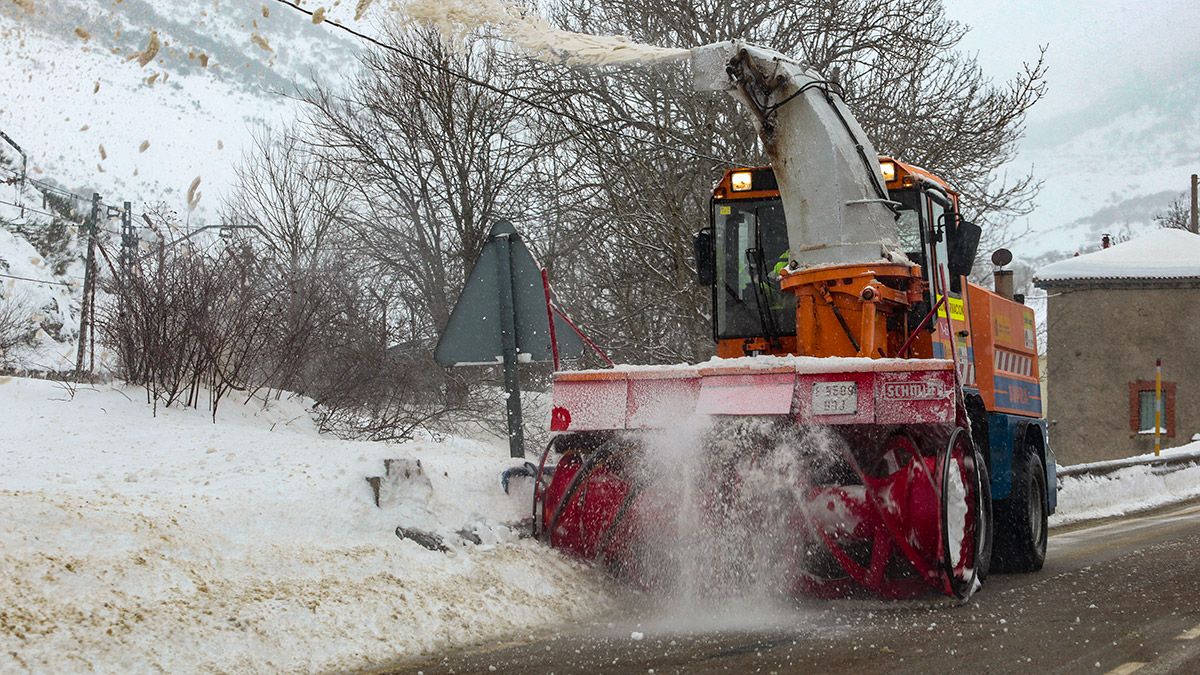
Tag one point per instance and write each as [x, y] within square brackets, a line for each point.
[905, 399]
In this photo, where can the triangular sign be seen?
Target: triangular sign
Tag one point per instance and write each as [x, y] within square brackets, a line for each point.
[474, 334]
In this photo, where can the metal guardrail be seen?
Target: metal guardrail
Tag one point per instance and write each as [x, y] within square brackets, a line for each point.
[1170, 462]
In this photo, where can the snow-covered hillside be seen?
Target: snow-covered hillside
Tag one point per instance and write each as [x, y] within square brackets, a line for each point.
[70, 89]
[134, 543]
[1112, 167]
[41, 277]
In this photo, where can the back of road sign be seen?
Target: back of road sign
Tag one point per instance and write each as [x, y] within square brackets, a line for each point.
[474, 333]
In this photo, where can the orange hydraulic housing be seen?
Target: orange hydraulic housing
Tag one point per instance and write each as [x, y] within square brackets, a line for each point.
[853, 310]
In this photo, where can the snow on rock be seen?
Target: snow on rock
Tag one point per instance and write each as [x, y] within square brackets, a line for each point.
[133, 543]
[50, 300]
[1126, 490]
[1161, 254]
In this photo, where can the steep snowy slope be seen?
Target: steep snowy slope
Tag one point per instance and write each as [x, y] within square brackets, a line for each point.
[1113, 166]
[222, 68]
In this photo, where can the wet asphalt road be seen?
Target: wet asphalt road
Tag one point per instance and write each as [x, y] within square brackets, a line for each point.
[1111, 596]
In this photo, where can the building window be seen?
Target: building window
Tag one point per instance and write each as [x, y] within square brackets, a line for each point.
[1141, 408]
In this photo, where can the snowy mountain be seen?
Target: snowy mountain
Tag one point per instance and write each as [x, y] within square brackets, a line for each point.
[90, 118]
[1112, 166]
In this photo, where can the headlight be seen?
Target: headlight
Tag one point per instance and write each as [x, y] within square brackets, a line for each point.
[889, 171]
[741, 181]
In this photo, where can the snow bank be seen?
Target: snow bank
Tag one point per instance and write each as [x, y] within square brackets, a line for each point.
[134, 544]
[1126, 490]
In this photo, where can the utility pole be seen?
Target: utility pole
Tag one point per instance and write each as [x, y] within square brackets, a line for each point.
[128, 243]
[1195, 220]
[86, 315]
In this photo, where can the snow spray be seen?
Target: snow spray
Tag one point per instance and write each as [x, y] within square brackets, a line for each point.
[455, 20]
[722, 511]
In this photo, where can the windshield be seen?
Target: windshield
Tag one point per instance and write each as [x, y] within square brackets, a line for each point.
[909, 224]
[751, 242]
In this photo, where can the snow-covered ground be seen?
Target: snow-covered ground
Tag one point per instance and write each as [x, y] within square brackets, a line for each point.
[133, 543]
[1126, 490]
[136, 543]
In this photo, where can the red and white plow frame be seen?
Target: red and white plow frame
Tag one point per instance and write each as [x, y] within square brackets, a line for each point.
[906, 513]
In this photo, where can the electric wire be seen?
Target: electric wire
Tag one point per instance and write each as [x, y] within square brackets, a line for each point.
[41, 213]
[510, 95]
[17, 177]
[36, 281]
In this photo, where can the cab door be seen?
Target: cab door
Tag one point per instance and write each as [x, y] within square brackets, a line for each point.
[952, 338]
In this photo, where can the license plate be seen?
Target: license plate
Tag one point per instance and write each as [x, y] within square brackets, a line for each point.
[835, 398]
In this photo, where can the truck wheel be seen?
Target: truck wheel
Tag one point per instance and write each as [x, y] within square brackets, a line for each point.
[984, 558]
[1020, 535]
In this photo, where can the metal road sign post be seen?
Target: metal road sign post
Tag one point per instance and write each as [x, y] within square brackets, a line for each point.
[503, 318]
[508, 343]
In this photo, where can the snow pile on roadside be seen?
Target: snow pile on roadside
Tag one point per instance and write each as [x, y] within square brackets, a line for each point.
[1126, 490]
[132, 543]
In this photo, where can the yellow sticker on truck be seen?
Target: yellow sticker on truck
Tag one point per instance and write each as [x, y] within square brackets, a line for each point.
[957, 309]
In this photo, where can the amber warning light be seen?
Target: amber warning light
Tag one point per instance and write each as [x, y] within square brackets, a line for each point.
[889, 171]
[741, 181]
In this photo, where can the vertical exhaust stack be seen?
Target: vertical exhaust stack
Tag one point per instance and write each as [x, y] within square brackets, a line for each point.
[833, 193]
[1003, 283]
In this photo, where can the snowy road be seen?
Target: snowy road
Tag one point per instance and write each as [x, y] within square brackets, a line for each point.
[1115, 597]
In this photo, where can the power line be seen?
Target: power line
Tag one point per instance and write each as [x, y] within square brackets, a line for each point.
[510, 95]
[40, 212]
[62, 192]
[37, 281]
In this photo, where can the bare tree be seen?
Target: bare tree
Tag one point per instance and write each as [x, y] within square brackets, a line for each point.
[17, 325]
[643, 194]
[1177, 216]
[285, 191]
[430, 161]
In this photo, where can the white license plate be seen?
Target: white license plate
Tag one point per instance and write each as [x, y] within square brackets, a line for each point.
[835, 398]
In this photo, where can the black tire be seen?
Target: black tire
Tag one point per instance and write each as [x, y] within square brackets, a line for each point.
[984, 564]
[1021, 527]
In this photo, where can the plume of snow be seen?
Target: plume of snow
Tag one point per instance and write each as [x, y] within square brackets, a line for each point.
[147, 55]
[193, 194]
[456, 19]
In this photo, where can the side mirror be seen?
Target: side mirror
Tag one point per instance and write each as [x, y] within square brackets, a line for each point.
[706, 254]
[963, 245]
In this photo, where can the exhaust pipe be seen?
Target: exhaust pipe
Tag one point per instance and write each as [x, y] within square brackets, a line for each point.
[1004, 283]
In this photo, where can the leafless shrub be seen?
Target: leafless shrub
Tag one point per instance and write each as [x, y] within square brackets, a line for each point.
[187, 323]
[17, 326]
[1177, 215]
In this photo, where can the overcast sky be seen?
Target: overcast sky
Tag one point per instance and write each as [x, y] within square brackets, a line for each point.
[1095, 45]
